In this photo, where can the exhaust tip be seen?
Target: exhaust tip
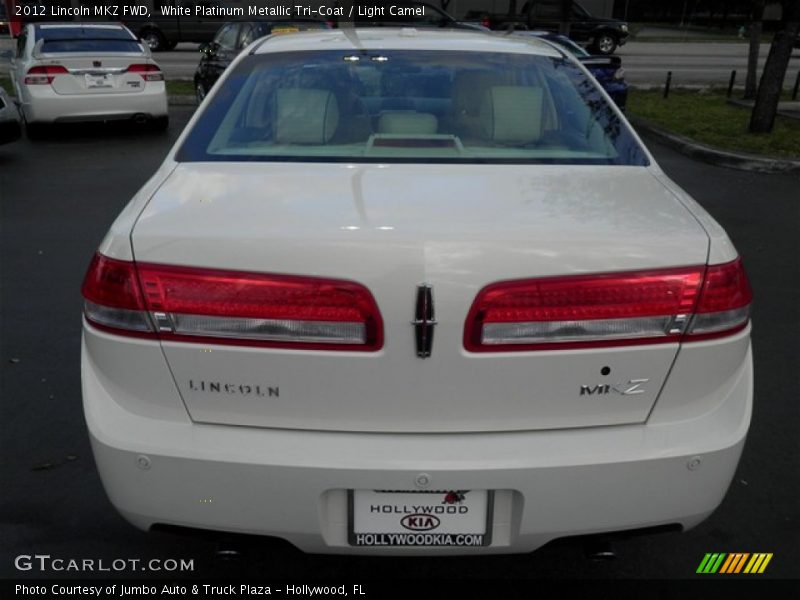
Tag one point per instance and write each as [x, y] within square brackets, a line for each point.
[600, 550]
[226, 553]
[140, 118]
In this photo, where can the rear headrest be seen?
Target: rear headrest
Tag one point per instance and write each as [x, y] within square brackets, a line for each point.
[305, 116]
[512, 114]
[407, 122]
[469, 88]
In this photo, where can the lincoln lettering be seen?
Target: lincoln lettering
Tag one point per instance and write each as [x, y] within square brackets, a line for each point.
[234, 389]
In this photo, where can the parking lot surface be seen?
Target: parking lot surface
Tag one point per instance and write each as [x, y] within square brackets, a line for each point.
[57, 199]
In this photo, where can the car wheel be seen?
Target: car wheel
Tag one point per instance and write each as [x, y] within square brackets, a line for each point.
[34, 131]
[159, 123]
[605, 43]
[200, 92]
[154, 40]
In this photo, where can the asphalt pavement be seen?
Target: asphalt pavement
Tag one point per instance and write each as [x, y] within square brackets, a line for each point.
[57, 199]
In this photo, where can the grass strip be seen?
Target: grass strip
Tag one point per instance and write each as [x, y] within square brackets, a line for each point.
[707, 118]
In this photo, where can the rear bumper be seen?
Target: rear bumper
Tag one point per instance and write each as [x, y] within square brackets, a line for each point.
[292, 484]
[45, 106]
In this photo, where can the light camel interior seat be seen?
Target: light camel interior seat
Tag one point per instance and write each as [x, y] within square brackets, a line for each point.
[512, 115]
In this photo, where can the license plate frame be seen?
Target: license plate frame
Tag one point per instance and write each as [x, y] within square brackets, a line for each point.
[99, 81]
[443, 539]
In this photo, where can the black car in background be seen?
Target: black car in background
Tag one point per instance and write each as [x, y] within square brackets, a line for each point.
[607, 70]
[402, 13]
[4, 25]
[161, 30]
[601, 35]
[234, 36]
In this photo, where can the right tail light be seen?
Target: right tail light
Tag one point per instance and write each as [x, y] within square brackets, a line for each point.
[610, 309]
[147, 71]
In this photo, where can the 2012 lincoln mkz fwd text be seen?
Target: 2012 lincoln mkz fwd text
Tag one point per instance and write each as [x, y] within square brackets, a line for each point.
[407, 291]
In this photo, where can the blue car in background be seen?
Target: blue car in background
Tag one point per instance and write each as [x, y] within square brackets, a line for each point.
[606, 69]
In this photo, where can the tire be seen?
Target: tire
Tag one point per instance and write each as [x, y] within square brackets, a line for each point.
[35, 131]
[159, 124]
[200, 92]
[154, 40]
[605, 43]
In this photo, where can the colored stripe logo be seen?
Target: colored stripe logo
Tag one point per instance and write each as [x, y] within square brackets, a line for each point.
[734, 563]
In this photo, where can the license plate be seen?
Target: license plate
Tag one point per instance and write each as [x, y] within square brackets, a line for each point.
[400, 518]
[98, 81]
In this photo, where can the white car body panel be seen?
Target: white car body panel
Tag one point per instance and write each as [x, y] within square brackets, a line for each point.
[559, 463]
[418, 223]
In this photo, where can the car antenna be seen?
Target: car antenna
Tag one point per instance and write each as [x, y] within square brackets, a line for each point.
[348, 28]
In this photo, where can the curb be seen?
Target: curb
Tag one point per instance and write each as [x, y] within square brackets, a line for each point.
[720, 158]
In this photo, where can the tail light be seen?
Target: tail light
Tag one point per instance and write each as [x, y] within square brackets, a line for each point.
[486, 22]
[44, 74]
[149, 72]
[641, 307]
[724, 305]
[230, 307]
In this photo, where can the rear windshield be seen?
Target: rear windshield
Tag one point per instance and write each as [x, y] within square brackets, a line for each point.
[87, 39]
[407, 106]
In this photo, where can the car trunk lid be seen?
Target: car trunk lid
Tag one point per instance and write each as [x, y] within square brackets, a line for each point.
[398, 229]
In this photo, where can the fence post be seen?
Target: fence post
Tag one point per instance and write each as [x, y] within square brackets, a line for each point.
[731, 82]
[668, 83]
[796, 86]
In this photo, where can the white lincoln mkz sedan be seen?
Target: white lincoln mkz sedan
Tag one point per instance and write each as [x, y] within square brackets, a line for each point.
[401, 291]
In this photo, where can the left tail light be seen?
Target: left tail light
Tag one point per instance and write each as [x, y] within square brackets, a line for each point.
[148, 71]
[611, 309]
[230, 307]
[44, 74]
